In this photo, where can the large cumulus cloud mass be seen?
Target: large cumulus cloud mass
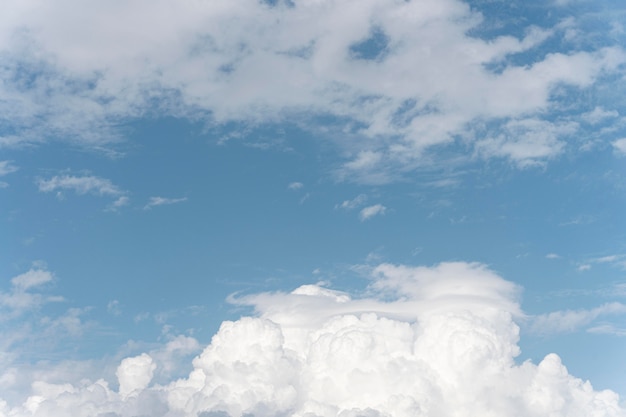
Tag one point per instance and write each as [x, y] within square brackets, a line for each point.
[426, 341]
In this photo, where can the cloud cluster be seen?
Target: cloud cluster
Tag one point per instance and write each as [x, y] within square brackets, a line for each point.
[406, 77]
[428, 341]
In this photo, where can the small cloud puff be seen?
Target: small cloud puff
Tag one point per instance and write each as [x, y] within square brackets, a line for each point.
[620, 146]
[160, 201]
[357, 201]
[295, 185]
[7, 167]
[371, 211]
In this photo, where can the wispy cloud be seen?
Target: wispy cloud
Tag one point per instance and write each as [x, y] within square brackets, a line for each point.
[7, 167]
[356, 202]
[119, 203]
[553, 256]
[567, 321]
[160, 201]
[24, 295]
[295, 185]
[599, 114]
[371, 211]
[609, 329]
[80, 185]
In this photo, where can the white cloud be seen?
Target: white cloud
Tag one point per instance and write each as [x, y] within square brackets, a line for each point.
[371, 211]
[620, 146]
[32, 278]
[119, 203]
[295, 186]
[607, 329]
[160, 201]
[7, 167]
[598, 114]
[113, 307]
[357, 201]
[80, 185]
[552, 256]
[93, 69]
[134, 374]
[615, 260]
[435, 341]
[22, 297]
[584, 267]
[572, 320]
[526, 142]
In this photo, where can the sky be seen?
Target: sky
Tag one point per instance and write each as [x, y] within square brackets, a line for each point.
[312, 208]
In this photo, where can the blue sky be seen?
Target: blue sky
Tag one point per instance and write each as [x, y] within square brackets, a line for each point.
[167, 168]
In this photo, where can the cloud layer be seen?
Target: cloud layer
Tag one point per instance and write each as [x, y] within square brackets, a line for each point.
[426, 341]
[406, 77]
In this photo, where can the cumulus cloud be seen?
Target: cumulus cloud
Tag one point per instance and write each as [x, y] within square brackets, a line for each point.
[80, 185]
[295, 186]
[422, 341]
[370, 211]
[406, 77]
[134, 374]
[160, 201]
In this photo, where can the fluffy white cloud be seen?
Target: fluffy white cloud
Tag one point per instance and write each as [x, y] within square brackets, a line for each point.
[160, 201]
[295, 186]
[427, 341]
[134, 374]
[405, 76]
[370, 211]
[80, 185]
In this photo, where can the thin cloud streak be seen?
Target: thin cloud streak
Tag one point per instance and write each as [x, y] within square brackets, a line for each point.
[161, 201]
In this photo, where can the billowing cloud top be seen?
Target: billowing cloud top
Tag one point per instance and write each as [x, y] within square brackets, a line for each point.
[409, 75]
[436, 342]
